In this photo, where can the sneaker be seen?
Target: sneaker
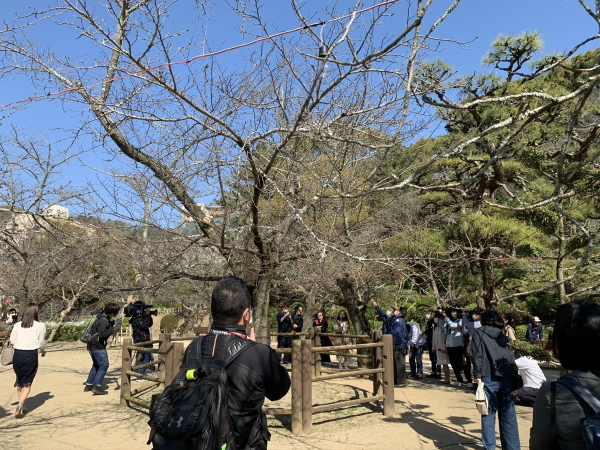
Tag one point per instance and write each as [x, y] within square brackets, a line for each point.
[97, 390]
[456, 383]
[419, 377]
[438, 376]
[470, 385]
[88, 387]
[400, 385]
[139, 380]
[431, 375]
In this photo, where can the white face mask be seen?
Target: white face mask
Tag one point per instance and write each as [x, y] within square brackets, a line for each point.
[474, 317]
[454, 315]
[427, 316]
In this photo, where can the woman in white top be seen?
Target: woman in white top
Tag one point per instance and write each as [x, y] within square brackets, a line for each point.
[439, 346]
[27, 337]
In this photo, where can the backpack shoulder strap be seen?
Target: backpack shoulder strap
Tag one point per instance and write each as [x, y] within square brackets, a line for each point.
[233, 351]
[582, 393]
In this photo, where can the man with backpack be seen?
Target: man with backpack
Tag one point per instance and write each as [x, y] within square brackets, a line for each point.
[102, 328]
[226, 363]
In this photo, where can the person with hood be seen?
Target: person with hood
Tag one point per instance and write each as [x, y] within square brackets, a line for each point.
[102, 328]
[535, 331]
[397, 327]
[494, 365]
[453, 327]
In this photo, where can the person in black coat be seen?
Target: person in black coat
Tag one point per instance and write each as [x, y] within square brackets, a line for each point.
[494, 365]
[140, 326]
[436, 370]
[576, 343]
[297, 321]
[102, 328]
[284, 325]
[254, 376]
[321, 322]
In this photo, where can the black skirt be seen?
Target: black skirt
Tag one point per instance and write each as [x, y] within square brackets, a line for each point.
[25, 365]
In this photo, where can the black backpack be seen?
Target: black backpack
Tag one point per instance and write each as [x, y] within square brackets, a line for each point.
[90, 333]
[192, 413]
[589, 424]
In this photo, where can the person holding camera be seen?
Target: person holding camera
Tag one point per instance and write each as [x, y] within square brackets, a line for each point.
[141, 322]
[284, 325]
[103, 327]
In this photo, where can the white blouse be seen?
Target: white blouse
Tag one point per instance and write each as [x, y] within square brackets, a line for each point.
[30, 338]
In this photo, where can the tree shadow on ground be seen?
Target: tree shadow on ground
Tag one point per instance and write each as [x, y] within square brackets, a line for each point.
[3, 412]
[35, 401]
[442, 434]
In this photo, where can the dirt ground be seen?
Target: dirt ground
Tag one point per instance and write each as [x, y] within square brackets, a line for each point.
[62, 416]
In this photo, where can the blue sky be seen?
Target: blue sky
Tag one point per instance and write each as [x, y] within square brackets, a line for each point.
[562, 24]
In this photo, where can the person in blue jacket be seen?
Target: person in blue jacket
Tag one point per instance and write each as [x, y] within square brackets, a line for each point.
[397, 327]
[535, 331]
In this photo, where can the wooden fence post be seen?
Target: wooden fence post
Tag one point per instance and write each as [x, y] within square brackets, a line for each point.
[388, 375]
[296, 387]
[307, 374]
[170, 364]
[164, 346]
[125, 366]
[377, 363]
[316, 342]
[177, 361]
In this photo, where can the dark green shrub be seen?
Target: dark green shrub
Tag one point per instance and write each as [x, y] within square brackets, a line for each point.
[526, 349]
[520, 332]
[169, 323]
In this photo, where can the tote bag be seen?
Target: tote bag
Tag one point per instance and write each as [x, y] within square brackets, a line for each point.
[7, 354]
[481, 400]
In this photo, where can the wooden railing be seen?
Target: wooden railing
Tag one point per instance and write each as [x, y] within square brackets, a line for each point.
[306, 369]
[170, 358]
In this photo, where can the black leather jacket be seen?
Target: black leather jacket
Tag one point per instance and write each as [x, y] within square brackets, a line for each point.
[105, 328]
[141, 328]
[254, 375]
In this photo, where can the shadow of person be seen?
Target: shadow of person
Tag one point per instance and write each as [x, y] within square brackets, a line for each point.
[443, 434]
[37, 400]
[3, 412]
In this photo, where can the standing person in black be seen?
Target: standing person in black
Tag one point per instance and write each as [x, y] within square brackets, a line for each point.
[284, 325]
[140, 326]
[436, 370]
[322, 323]
[251, 377]
[297, 321]
[102, 328]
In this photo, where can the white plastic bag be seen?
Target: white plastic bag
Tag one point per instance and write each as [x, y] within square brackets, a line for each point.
[481, 400]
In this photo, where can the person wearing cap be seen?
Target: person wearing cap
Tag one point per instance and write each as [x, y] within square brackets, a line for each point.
[535, 331]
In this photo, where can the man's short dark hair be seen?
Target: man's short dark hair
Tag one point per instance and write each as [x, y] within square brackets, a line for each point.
[576, 337]
[111, 309]
[229, 300]
[402, 310]
[492, 319]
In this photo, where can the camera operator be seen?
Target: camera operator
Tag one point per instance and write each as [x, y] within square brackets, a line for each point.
[141, 323]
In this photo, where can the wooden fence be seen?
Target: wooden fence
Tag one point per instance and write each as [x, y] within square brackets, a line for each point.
[306, 369]
[170, 358]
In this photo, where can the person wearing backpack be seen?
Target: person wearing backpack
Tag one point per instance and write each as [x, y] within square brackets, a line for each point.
[102, 328]
[561, 406]
[224, 363]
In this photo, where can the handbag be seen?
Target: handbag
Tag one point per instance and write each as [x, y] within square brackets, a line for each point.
[7, 354]
[481, 400]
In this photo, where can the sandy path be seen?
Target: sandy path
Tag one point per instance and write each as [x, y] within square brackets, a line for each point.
[62, 416]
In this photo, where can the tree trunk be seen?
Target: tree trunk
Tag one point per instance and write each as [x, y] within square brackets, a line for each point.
[361, 324]
[70, 303]
[560, 271]
[488, 279]
[260, 309]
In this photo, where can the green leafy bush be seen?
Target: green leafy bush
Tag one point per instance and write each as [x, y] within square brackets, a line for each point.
[520, 332]
[68, 332]
[526, 349]
[169, 323]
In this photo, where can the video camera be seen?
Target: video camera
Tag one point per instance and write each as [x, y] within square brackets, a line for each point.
[137, 309]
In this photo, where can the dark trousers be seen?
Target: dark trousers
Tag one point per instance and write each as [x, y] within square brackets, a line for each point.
[456, 361]
[416, 360]
[435, 368]
[285, 342]
[146, 357]
[399, 365]
[467, 364]
[527, 394]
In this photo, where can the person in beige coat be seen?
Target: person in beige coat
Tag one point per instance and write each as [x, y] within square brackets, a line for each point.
[439, 346]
